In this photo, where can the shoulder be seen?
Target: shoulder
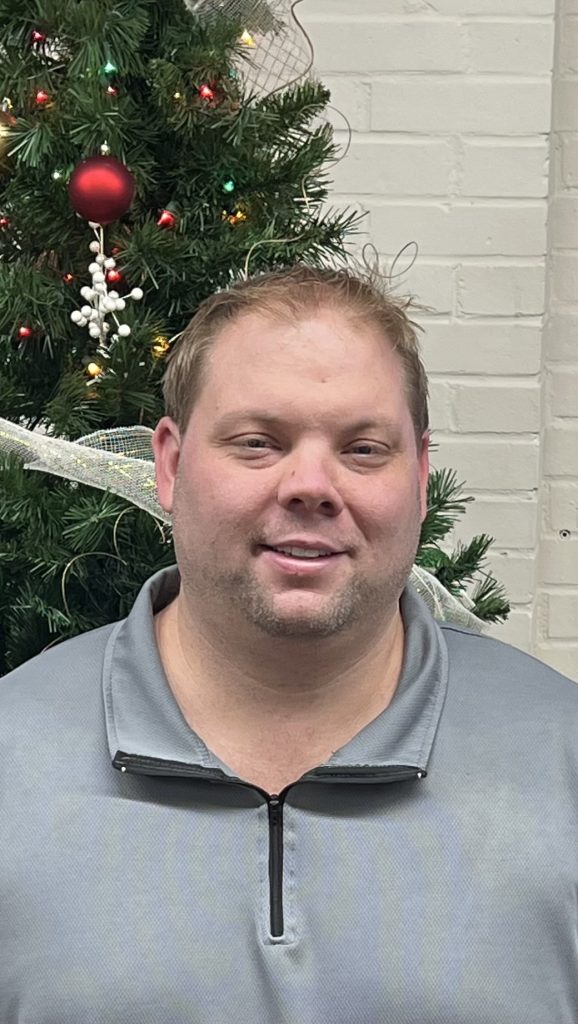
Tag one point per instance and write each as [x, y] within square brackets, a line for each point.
[500, 669]
[57, 677]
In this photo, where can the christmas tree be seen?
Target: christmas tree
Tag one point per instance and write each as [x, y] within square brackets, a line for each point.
[206, 181]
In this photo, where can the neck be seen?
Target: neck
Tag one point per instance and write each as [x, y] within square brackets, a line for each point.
[325, 689]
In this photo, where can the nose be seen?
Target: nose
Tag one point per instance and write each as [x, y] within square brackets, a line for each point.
[307, 479]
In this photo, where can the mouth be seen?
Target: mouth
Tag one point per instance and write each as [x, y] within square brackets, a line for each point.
[297, 565]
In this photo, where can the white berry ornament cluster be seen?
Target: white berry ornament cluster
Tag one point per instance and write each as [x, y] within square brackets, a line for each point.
[100, 302]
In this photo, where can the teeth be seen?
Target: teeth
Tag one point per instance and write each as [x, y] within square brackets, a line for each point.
[302, 552]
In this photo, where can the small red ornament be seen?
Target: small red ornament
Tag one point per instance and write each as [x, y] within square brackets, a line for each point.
[42, 97]
[166, 219]
[114, 276]
[25, 332]
[38, 37]
[206, 93]
[101, 189]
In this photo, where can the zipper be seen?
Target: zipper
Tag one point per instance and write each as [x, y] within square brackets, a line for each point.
[139, 765]
[276, 864]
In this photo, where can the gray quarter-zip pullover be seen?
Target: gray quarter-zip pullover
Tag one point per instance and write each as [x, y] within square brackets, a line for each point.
[427, 874]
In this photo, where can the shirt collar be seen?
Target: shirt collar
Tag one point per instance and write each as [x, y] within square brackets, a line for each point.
[143, 717]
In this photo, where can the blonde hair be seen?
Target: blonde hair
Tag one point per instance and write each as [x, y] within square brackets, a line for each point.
[292, 293]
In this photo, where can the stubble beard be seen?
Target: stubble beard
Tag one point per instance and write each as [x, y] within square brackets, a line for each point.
[217, 592]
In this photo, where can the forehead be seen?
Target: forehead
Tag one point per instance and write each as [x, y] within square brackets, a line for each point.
[323, 368]
[328, 341]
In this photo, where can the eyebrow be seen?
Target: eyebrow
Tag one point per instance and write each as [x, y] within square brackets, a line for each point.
[269, 419]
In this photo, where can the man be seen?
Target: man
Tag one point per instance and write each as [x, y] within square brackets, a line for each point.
[280, 791]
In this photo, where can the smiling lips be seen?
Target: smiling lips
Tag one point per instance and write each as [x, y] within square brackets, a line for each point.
[305, 544]
[301, 565]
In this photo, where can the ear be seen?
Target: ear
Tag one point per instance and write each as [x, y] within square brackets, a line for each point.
[166, 443]
[424, 470]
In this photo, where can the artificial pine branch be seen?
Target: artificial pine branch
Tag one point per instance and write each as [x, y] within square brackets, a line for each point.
[248, 181]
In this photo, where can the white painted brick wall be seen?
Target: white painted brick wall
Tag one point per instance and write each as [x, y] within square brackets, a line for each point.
[450, 105]
[555, 626]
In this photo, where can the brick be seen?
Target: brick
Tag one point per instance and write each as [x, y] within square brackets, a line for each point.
[561, 337]
[485, 465]
[569, 144]
[520, 8]
[563, 223]
[516, 631]
[500, 408]
[461, 229]
[564, 271]
[460, 104]
[494, 169]
[517, 47]
[562, 616]
[561, 449]
[568, 57]
[365, 46]
[428, 8]
[377, 165]
[440, 406]
[563, 659]
[563, 506]
[430, 284]
[558, 561]
[336, 8]
[482, 347]
[353, 98]
[516, 572]
[512, 523]
[564, 394]
[507, 290]
[565, 111]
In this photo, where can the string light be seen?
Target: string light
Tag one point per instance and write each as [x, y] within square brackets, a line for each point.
[161, 346]
[94, 369]
[166, 219]
[38, 37]
[112, 91]
[206, 93]
[42, 97]
[247, 39]
[229, 186]
[25, 332]
[4, 222]
[68, 278]
[110, 68]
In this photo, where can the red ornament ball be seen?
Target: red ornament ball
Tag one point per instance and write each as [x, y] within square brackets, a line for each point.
[101, 189]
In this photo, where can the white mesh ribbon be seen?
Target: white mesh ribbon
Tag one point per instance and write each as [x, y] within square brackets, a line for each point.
[121, 461]
[278, 52]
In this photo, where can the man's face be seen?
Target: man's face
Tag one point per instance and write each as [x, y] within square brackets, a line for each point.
[235, 482]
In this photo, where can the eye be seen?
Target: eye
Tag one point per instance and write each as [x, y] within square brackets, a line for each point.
[370, 449]
[247, 440]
